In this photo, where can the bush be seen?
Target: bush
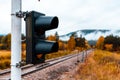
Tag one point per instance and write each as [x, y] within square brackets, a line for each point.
[5, 59]
[4, 64]
[2, 47]
[57, 54]
[109, 47]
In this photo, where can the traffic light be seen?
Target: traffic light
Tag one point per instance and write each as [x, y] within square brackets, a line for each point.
[36, 45]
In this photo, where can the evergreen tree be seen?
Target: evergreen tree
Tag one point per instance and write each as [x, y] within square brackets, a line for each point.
[57, 36]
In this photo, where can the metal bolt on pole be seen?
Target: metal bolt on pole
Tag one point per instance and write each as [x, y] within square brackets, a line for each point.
[16, 40]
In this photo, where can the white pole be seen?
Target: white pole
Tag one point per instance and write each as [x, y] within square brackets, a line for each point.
[16, 40]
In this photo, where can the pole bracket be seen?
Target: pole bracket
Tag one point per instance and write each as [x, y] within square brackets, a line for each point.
[21, 14]
[19, 64]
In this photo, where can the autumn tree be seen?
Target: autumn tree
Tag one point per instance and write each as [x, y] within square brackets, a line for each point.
[6, 42]
[54, 37]
[113, 40]
[87, 45]
[62, 45]
[108, 47]
[0, 38]
[51, 38]
[80, 42]
[71, 43]
[100, 43]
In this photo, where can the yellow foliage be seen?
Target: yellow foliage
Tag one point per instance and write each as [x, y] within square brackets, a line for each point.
[58, 54]
[51, 38]
[71, 43]
[4, 63]
[5, 55]
[100, 43]
[23, 46]
[61, 45]
[101, 65]
[5, 58]
[109, 47]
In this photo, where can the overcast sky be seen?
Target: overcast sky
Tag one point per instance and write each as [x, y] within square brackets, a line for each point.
[73, 14]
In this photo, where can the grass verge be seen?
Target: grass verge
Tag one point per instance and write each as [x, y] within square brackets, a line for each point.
[101, 65]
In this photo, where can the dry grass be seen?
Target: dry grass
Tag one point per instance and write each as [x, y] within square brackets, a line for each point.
[5, 58]
[58, 54]
[5, 55]
[101, 65]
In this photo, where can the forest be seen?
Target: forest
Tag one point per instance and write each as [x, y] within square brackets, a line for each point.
[108, 43]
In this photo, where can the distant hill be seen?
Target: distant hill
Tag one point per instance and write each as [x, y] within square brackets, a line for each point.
[92, 42]
[1, 34]
[91, 34]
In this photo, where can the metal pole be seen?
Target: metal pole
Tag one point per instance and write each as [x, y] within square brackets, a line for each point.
[16, 40]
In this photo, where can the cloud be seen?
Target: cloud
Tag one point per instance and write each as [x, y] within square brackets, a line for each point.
[5, 11]
[73, 14]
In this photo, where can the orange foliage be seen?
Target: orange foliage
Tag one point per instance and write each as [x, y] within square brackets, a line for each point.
[108, 47]
[100, 43]
[71, 43]
[61, 45]
[51, 38]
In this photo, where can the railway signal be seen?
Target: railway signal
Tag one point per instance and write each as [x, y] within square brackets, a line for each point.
[36, 45]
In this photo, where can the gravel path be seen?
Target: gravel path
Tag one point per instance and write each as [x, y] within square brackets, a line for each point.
[60, 71]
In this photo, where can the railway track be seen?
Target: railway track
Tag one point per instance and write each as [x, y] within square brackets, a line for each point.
[28, 69]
